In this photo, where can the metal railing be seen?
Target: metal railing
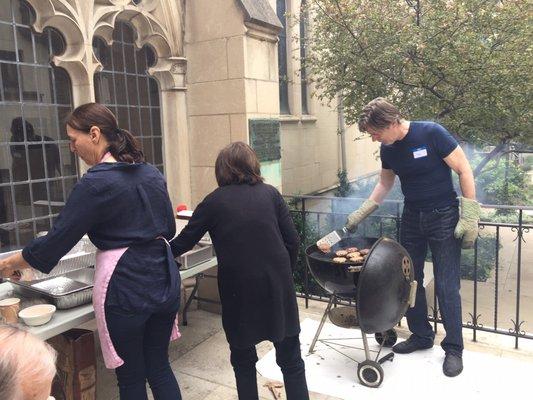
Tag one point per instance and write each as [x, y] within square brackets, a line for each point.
[314, 216]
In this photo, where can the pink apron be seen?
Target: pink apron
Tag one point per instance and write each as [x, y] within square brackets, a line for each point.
[106, 261]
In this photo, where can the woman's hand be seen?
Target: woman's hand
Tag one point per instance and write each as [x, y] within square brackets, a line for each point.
[10, 267]
[4, 268]
[6, 271]
[12, 275]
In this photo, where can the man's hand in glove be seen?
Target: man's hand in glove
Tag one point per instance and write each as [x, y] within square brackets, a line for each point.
[355, 218]
[467, 227]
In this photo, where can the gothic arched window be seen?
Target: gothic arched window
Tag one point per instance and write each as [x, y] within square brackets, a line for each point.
[125, 86]
[37, 169]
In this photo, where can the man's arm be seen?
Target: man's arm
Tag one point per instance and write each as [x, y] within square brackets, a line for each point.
[386, 180]
[457, 161]
[383, 187]
[467, 226]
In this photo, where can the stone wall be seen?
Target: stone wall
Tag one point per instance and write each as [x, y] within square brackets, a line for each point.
[311, 147]
[232, 77]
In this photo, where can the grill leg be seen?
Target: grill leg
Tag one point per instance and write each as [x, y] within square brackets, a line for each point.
[388, 357]
[365, 345]
[322, 321]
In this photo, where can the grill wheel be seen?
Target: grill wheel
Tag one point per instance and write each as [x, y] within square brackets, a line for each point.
[370, 373]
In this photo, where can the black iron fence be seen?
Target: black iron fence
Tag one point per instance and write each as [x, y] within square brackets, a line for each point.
[497, 275]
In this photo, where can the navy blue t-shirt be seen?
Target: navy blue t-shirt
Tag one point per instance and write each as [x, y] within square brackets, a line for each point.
[417, 159]
[119, 205]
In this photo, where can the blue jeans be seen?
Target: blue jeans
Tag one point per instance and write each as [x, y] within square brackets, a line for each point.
[142, 340]
[289, 359]
[435, 228]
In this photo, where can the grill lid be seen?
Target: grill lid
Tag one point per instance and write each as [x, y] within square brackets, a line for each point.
[383, 286]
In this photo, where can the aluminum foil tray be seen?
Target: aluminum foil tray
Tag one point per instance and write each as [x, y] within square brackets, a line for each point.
[59, 286]
[199, 254]
[66, 291]
[82, 255]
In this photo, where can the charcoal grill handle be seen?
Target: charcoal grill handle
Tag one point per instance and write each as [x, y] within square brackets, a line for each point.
[412, 294]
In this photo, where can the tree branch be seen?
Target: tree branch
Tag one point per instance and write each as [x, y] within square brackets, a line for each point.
[495, 152]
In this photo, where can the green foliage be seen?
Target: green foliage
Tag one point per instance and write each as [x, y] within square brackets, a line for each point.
[377, 226]
[528, 162]
[465, 63]
[503, 182]
[486, 259]
[506, 216]
[344, 189]
[308, 235]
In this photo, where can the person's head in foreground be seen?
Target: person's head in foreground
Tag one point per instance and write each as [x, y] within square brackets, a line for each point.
[27, 365]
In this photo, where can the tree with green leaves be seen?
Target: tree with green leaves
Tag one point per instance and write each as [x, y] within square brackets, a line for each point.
[466, 64]
[344, 189]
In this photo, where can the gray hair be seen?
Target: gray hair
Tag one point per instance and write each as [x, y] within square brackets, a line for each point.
[23, 355]
[8, 384]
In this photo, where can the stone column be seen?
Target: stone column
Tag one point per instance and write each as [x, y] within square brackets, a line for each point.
[170, 73]
[81, 70]
[176, 149]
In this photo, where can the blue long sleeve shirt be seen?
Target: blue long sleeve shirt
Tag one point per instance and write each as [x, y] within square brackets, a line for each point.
[118, 205]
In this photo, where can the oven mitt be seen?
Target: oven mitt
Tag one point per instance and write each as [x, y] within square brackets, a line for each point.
[467, 227]
[355, 218]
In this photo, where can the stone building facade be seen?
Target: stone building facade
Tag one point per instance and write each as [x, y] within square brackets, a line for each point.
[187, 77]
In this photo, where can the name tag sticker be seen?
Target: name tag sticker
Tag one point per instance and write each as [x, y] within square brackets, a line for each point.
[420, 152]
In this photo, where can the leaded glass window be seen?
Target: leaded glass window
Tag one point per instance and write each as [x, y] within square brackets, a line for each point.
[125, 86]
[37, 169]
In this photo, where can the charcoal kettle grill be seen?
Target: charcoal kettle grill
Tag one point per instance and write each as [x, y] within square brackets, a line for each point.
[378, 291]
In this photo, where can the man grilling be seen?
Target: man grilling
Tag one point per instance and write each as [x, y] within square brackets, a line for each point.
[423, 154]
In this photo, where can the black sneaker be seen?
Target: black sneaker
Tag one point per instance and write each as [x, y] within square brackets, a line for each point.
[453, 365]
[411, 344]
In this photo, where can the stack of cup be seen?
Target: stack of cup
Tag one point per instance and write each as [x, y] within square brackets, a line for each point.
[9, 309]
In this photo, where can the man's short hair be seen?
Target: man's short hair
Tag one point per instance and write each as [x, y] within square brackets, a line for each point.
[24, 359]
[377, 115]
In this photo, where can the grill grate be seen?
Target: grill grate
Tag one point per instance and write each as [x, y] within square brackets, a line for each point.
[328, 258]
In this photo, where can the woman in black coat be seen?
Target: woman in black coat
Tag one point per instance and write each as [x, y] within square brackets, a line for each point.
[256, 246]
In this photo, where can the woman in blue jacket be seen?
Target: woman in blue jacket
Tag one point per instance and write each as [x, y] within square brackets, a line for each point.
[123, 205]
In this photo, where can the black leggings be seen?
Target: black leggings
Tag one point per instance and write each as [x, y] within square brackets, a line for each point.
[288, 357]
[142, 340]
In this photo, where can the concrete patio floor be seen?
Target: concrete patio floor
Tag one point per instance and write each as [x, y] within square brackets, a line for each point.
[200, 359]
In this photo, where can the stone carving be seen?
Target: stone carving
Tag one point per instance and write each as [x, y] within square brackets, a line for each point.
[157, 22]
[175, 68]
[170, 73]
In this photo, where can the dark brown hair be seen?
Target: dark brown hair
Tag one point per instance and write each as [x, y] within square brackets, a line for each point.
[122, 144]
[378, 114]
[237, 163]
